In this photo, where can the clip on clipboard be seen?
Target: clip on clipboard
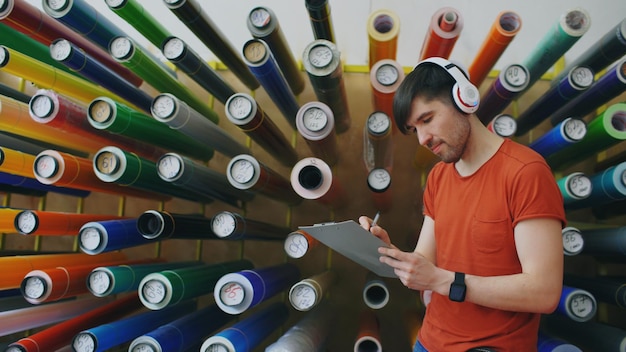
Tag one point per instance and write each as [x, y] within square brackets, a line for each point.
[354, 242]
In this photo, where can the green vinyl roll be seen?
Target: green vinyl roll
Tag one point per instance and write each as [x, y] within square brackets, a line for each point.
[132, 12]
[161, 289]
[112, 164]
[604, 131]
[29, 46]
[109, 115]
[124, 50]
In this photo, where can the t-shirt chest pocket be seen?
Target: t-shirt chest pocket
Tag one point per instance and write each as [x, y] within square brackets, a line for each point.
[491, 235]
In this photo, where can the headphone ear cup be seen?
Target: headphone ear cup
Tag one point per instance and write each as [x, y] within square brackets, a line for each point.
[466, 97]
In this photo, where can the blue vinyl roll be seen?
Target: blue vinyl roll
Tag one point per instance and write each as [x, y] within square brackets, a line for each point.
[565, 133]
[76, 59]
[267, 72]
[106, 336]
[607, 186]
[104, 236]
[245, 335]
[33, 184]
[577, 304]
[547, 343]
[85, 20]
[183, 333]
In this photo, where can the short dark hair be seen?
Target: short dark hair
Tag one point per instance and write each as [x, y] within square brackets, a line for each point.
[427, 80]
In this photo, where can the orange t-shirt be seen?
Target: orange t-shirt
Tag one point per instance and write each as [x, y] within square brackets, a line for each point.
[474, 221]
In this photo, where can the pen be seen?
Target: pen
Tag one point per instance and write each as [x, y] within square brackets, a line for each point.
[376, 217]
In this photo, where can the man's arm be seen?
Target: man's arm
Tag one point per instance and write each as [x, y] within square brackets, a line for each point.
[536, 289]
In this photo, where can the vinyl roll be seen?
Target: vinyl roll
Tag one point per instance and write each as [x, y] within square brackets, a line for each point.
[312, 178]
[604, 131]
[246, 334]
[568, 131]
[239, 291]
[105, 281]
[316, 124]
[385, 78]
[178, 115]
[443, 31]
[183, 333]
[603, 52]
[134, 14]
[375, 292]
[378, 141]
[57, 336]
[298, 243]
[23, 264]
[307, 294]
[14, 93]
[308, 334]
[368, 333]
[70, 55]
[199, 179]
[7, 217]
[561, 36]
[30, 20]
[587, 335]
[500, 35]
[125, 51]
[608, 86]
[510, 83]
[383, 28]
[103, 337]
[261, 61]
[54, 223]
[84, 19]
[577, 80]
[63, 169]
[170, 287]
[573, 242]
[55, 110]
[32, 317]
[188, 61]
[379, 183]
[574, 187]
[33, 187]
[547, 343]
[46, 76]
[503, 125]
[604, 242]
[576, 304]
[232, 226]
[161, 225]
[96, 237]
[16, 162]
[322, 61]
[247, 173]
[263, 24]
[320, 18]
[243, 111]
[606, 289]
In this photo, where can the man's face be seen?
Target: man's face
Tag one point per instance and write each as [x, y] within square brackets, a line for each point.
[439, 127]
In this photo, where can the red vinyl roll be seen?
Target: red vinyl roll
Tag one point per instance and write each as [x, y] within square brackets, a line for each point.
[444, 30]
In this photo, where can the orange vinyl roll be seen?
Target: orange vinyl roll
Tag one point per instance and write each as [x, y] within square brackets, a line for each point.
[14, 118]
[53, 284]
[502, 32]
[383, 27]
[67, 170]
[23, 264]
[52, 223]
[368, 332]
[7, 216]
[413, 322]
[61, 334]
[16, 162]
[385, 78]
[444, 30]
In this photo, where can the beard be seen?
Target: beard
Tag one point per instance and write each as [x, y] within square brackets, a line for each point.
[452, 148]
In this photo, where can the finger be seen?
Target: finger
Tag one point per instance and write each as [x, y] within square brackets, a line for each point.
[365, 222]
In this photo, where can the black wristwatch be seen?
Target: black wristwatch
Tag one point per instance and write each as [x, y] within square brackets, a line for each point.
[458, 288]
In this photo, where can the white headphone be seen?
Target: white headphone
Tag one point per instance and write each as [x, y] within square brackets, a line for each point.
[464, 93]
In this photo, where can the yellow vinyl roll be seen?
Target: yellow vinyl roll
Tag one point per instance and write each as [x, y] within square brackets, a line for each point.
[15, 162]
[383, 27]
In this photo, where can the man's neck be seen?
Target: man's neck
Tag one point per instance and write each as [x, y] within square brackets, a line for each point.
[482, 144]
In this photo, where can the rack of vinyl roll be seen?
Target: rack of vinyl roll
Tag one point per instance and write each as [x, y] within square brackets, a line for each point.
[158, 158]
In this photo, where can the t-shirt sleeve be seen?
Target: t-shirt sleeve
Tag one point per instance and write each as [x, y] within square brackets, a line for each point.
[535, 194]
[429, 192]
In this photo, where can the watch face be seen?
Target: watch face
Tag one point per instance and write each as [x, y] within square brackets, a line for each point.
[457, 292]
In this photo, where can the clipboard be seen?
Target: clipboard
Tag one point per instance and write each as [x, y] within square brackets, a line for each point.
[354, 242]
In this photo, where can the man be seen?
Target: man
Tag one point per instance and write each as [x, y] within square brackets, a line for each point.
[490, 247]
